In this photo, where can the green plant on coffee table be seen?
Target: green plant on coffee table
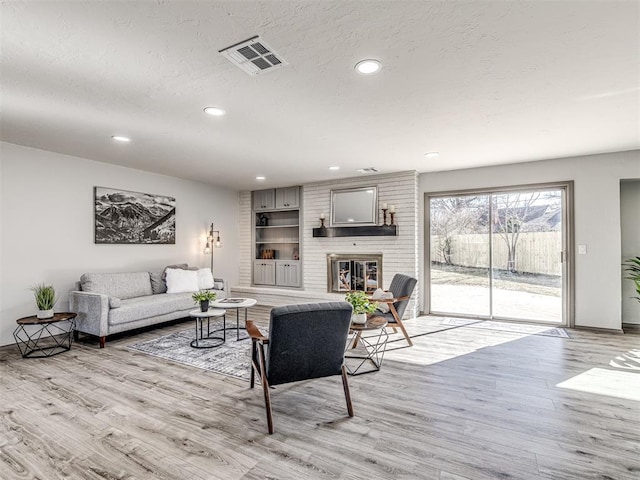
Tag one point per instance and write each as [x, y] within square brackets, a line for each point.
[204, 296]
[45, 296]
[360, 302]
[632, 266]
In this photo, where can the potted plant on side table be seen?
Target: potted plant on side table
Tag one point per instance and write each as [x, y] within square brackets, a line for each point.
[204, 297]
[361, 306]
[45, 296]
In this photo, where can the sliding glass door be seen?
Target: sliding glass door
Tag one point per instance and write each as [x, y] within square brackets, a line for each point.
[499, 254]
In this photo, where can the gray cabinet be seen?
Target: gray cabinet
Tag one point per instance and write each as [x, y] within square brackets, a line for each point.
[288, 273]
[276, 237]
[288, 197]
[264, 272]
[264, 199]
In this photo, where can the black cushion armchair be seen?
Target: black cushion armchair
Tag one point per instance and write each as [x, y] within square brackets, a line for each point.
[402, 288]
[305, 342]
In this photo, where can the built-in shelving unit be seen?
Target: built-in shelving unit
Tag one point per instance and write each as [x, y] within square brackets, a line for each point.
[276, 214]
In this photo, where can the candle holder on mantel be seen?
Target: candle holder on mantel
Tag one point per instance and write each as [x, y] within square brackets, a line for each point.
[392, 214]
[322, 222]
[384, 216]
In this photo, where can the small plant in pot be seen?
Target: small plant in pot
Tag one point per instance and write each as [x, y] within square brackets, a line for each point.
[361, 306]
[204, 297]
[45, 296]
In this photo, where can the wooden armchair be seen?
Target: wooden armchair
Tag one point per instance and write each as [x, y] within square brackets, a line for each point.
[401, 287]
[305, 342]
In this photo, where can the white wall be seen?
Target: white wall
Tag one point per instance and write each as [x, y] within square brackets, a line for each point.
[630, 231]
[596, 214]
[46, 213]
[400, 253]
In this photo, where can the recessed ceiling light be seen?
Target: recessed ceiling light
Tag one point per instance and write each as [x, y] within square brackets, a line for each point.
[367, 67]
[260, 177]
[215, 111]
[334, 167]
[432, 154]
[120, 138]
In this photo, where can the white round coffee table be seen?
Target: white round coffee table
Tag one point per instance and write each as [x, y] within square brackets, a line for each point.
[200, 317]
[237, 304]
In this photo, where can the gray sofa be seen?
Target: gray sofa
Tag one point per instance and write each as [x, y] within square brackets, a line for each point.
[108, 303]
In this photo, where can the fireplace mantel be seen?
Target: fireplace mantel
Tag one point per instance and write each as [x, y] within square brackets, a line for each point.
[366, 231]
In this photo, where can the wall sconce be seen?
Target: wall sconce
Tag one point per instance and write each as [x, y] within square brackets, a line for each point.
[213, 240]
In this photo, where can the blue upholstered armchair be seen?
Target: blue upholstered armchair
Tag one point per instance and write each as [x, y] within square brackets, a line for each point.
[305, 342]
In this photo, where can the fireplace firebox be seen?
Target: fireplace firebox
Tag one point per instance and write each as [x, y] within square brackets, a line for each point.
[348, 272]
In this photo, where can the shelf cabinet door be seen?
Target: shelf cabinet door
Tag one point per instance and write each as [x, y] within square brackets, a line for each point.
[264, 199]
[288, 273]
[288, 197]
[264, 272]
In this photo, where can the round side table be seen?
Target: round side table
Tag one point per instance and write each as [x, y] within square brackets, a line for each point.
[201, 341]
[45, 337]
[366, 350]
[237, 304]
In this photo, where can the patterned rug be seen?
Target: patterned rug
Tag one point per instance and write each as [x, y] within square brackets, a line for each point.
[232, 358]
[506, 327]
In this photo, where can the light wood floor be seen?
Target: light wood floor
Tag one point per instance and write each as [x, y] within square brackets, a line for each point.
[461, 404]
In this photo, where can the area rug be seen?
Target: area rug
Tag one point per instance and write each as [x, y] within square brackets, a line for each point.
[506, 327]
[232, 358]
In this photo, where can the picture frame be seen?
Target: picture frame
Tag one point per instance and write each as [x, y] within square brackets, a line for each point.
[126, 217]
[354, 206]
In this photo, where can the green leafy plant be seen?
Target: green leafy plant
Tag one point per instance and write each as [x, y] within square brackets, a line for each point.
[45, 296]
[360, 302]
[632, 266]
[203, 296]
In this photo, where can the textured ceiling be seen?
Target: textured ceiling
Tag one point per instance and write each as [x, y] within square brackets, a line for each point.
[482, 82]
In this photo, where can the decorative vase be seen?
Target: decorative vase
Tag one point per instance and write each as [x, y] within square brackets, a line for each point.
[359, 318]
[204, 305]
[45, 313]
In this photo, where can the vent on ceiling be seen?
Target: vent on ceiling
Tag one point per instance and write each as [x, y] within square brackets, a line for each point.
[368, 170]
[253, 56]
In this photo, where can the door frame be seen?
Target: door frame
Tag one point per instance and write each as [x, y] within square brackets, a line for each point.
[568, 253]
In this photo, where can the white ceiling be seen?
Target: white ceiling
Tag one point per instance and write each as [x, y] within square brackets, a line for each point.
[482, 82]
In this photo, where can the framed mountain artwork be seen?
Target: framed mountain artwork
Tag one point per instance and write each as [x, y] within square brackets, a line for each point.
[133, 217]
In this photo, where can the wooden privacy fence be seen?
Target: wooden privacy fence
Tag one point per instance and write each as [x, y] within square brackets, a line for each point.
[536, 252]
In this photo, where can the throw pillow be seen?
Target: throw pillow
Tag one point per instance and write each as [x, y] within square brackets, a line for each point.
[380, 294]
[179, 280]
[157, 282]
[205, 279]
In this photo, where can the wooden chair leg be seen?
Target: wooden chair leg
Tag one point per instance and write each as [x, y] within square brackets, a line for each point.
[356, 339]
[253, 364]
[347, 393]
[394, 312]
[102, 341]
[265, 388]
[404, 332]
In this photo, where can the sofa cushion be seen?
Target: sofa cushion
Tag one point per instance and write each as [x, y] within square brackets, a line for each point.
[139, 308]
[158, 284]
[205, 279]
[179, 280]
[120, 285]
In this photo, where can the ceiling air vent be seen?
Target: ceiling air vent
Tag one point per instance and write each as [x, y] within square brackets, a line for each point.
[368, 170]
[253, 56]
